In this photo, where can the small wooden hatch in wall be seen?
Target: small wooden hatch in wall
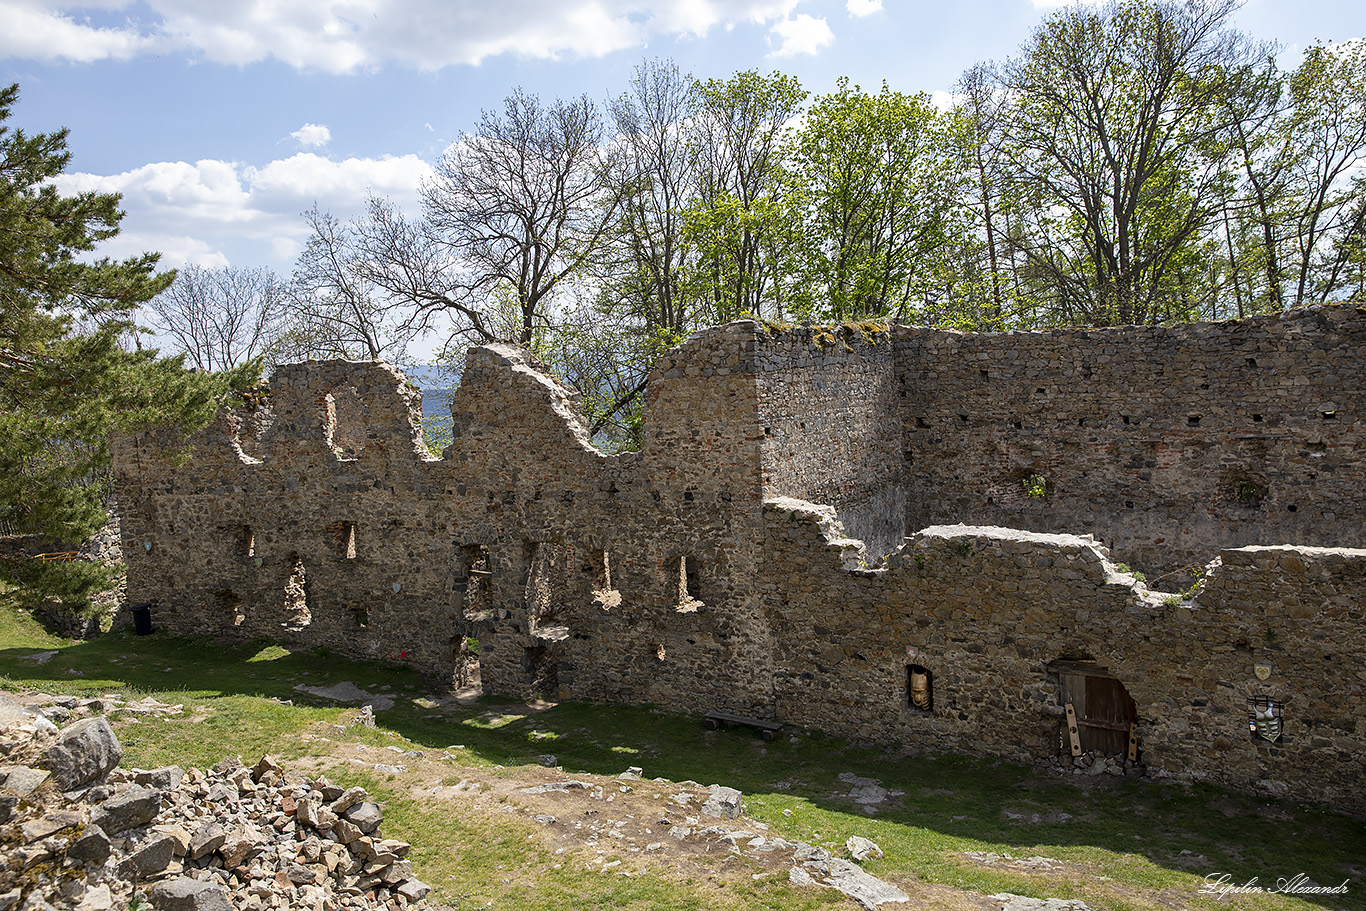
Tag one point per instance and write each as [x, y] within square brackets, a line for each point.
[1105, 712]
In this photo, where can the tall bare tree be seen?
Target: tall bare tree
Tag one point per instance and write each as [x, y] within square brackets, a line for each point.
[655, 178]
[514, 212]
[220, 318]
[335, 308]
[981, 106]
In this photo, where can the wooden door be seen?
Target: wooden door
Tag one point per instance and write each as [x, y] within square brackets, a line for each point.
[1103, 707]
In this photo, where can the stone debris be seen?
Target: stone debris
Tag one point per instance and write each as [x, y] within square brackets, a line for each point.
[230, 838]
[1094, 763]
[555, 786]
[1033, 864]
[868, 793]
[346, 691]
[1012, 902]
[723, 802]
[823, 870]
[860, 848]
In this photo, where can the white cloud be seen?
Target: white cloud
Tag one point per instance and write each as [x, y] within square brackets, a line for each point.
[312, 135]
[349, 35]
[207, 212]
[802, 35]
[177, 250]
[35, 32]
[863, 7]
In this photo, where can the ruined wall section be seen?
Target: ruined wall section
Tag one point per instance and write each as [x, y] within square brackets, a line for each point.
[305, 543]
[828, 402]
[987, 610]
[1167, 443]
[320, 520]
[1300, 613]
[681, 526]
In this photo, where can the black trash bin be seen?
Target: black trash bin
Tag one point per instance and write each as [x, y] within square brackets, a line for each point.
[142, 619]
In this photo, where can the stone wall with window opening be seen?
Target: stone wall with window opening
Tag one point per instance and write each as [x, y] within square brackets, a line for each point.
[698, 573]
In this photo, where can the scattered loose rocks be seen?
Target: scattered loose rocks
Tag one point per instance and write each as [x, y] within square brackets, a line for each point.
[1094, 763]
[1012, 902]
[868, 793]
[77, 833]
[810, 865]
[1035, 864]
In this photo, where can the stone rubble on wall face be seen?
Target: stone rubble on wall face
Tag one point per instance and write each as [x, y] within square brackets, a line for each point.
[199, 840]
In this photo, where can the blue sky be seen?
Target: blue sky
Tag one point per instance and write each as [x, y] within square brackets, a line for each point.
[221, 120]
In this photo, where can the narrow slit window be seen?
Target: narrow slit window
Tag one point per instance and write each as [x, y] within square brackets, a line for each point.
[346, 544]
[604, 594]
[246, 541]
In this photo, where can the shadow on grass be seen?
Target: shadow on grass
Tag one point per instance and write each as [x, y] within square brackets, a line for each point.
[965, 804]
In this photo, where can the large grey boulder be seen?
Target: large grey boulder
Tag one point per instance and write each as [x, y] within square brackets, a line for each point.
[185, 894]
[365, 816]
[723, 802]
[868, 891]
[86, 751]
[134, 807]
[91, 848]
[860, 848]
[149, 860]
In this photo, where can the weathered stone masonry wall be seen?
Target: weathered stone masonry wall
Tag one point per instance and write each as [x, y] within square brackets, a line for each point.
[685, 575]
[342, 531]
[1168, 444]
[987, 609]
[828, 397]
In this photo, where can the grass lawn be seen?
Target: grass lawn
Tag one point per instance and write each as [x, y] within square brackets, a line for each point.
[1113, 843]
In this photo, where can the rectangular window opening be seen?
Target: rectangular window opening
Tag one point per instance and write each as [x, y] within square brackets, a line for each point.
[920, 688]
[689, 585]
[476, 577]
[246, 541]
[604, 595]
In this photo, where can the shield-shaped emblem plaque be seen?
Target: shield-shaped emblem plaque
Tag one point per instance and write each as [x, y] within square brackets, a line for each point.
[1263, 671]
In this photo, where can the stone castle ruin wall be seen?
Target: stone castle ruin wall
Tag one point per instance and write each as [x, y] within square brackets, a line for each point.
[753, 556]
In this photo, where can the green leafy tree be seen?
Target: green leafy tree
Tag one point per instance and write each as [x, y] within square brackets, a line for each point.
[67, 380]
[1116, 154]
[740, 223]
[1327, 125]
[879, 179]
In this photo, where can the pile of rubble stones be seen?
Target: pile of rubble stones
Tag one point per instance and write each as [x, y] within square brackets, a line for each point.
[79, 833]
